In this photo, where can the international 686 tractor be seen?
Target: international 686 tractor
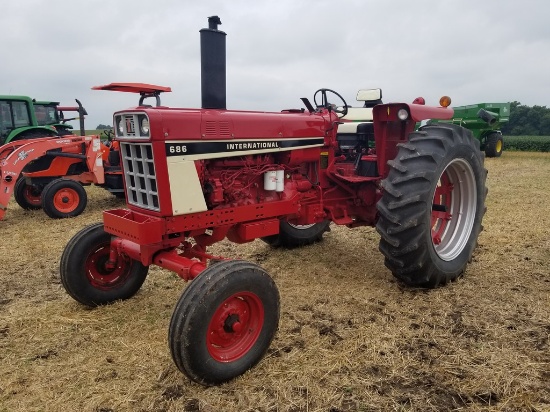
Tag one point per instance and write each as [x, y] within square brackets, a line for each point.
[194, 177]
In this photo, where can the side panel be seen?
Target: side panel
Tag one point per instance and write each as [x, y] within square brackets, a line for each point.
[185, 187]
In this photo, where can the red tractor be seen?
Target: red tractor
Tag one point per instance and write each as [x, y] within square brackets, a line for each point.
[194, 177]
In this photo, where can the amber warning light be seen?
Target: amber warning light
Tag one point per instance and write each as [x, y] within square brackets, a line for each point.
[445, 101]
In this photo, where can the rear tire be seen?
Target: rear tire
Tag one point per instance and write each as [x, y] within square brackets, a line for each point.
[494, 145]
[291, 236]
[224, 322]
[27, 196]
[84, 275]
[432, 205]
[63, 198]
[34, 134]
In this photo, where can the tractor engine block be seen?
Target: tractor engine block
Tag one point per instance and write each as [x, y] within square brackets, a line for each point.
[247, 180]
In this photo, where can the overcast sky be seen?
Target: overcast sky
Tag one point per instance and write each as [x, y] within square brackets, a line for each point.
[277, 51]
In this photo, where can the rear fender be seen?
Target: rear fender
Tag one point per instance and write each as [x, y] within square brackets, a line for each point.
[16, 134]
[390, 130]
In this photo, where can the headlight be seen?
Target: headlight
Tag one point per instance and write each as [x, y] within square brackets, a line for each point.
[144, 125]
[403, 114]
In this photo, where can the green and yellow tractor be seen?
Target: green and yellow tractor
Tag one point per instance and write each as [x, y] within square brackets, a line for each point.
[484, 120]
[24, 118]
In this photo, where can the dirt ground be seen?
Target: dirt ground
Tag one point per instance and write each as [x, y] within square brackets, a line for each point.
[351, 338]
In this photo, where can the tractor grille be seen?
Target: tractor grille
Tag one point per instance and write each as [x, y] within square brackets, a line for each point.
[139, 174]
[132, 126]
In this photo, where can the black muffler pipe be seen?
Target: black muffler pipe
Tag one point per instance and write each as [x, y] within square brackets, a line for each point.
[81, 113]
[487, 116]
[213, 66]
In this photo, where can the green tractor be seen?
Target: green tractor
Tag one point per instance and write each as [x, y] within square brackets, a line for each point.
[484, 120]
[24, 118]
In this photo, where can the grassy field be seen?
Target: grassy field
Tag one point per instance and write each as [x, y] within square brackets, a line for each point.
[351, 338]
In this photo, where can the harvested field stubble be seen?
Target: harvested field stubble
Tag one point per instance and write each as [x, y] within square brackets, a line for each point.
[351, 338]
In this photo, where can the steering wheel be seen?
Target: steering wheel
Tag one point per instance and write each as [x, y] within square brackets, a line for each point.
[109, 134]
[325, 103]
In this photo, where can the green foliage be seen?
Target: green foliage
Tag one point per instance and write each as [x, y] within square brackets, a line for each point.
[103, 126]
[527, 143]
[527, 121]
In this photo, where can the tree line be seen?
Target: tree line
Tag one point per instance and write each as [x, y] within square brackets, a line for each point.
[527, 121]
[103, 127]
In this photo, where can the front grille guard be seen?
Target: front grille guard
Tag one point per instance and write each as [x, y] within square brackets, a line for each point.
[139, 175]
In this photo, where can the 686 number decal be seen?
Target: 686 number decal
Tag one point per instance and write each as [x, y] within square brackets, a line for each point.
[175, 149]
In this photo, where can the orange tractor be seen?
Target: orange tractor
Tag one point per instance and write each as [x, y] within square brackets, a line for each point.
[50, 172]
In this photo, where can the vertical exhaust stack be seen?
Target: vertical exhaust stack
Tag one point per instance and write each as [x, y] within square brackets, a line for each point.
[213, 65]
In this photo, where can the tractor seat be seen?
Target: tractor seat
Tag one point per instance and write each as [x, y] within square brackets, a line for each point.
[356, 114]
[354, 117]
[350, 135]
[357, 124]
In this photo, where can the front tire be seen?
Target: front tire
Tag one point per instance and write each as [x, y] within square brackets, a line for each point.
[85, 276]
[494, 145]
[27, 196]
[432, 205]
[62, 198]
[224, 322]
[291, 236]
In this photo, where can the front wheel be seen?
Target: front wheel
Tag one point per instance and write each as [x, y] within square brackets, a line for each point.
[432, 205]
[27, 196]
[291, 235]
[84, 273]
[224, 322]
[494, 145]
[63, 198]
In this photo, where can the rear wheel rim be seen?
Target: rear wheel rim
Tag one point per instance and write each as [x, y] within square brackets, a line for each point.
[498, 147]
[454, 209]
[235, 327]
[66, 200]
[302, 227]
[99, 275]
